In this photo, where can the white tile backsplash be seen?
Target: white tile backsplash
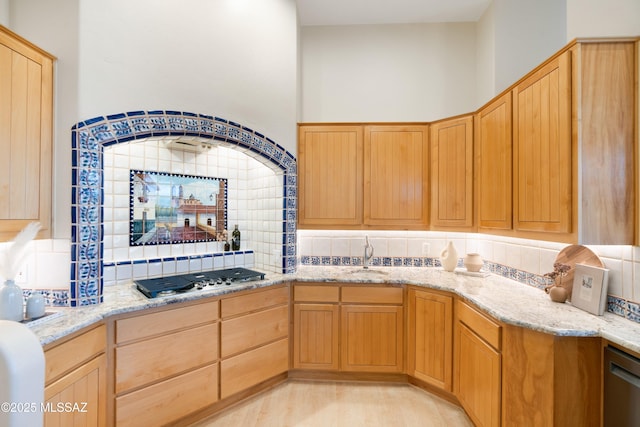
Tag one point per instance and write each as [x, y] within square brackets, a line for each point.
[532, 256]
[254, 199]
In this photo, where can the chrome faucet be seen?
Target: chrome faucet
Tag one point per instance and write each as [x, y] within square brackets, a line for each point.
[368, 252]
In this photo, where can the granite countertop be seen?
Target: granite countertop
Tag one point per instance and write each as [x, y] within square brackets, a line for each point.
[506, 300]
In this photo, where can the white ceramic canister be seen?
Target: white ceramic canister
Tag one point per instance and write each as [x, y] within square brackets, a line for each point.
[35, 306]
[11, 302]
[473, 262]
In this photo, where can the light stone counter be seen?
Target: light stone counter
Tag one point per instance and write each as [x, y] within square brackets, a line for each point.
[506, 300]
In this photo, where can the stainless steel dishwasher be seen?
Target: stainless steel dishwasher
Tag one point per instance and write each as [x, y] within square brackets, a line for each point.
[621, 389]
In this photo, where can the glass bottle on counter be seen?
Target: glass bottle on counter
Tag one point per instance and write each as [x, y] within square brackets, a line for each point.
[235, 239]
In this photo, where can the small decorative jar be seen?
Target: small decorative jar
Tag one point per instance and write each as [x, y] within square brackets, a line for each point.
[35, 306]
[11, 302]
[473, 262]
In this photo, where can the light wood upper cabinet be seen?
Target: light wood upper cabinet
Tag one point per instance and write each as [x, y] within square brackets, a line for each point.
[605, 121]
[26, 121]
[574, 139]
[363, 176]
[330, 176]
[452, 174]
[494, 165]
[542, 149]
[396, 176]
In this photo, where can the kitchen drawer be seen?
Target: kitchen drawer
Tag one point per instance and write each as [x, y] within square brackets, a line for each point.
[253, 367]
[254, 301]
[162, 322]
[147, 361]
[65, 357]
[316, 293]
[170, 400]
[372, 295]
[484, 327]
[249, 331]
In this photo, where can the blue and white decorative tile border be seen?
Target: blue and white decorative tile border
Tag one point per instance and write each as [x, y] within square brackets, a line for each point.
[88, 139]
[616, 305]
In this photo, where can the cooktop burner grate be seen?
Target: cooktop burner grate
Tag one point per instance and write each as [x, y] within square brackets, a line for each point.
[162, 286]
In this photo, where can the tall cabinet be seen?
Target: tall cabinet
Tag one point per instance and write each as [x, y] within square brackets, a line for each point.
[574, 138]
[542, 148]
[26, 121]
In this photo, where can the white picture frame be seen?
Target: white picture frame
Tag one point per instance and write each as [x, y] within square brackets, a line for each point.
[589, 291]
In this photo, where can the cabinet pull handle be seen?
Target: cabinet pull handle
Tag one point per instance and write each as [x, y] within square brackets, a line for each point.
[624, 374]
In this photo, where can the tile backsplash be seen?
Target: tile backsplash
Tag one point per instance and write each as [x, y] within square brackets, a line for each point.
[253, 190]
[520, 259]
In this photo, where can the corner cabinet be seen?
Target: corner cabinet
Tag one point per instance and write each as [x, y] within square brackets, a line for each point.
[430, 337]
[363, 176]
[477, 365]
[452, 174]
[574, 138]
[26, 126]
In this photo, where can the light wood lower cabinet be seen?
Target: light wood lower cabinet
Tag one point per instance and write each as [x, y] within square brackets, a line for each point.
[167, 401]
[316, 336]
[166, 364]
[477, 365]
[348, 328]
[254, 338]
[75, 381]
[550, 380]
[372, 338]
[430, 339]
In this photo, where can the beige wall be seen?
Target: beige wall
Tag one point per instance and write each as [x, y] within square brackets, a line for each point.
[232, 59]
[416, 72]
[599, 18]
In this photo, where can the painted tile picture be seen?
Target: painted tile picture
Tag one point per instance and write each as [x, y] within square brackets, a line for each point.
[173, 208]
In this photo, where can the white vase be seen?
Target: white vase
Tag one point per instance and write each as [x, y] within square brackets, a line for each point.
[11, 302]
[449, 257]
[473, 262]
[35, 306]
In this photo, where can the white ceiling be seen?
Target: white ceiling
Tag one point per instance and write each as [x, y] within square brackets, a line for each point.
[353, 12]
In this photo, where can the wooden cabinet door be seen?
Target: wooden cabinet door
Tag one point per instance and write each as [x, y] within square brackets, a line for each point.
[329, 176]
[452, 174]
[543, 149]
[372, 339]
[26, 122]
[396, 176]
[78, 398]
[477, 378]
[494, 165]
[430, 346]
[316, 336]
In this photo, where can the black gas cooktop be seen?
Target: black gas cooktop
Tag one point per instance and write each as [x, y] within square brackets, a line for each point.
[170, 285]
